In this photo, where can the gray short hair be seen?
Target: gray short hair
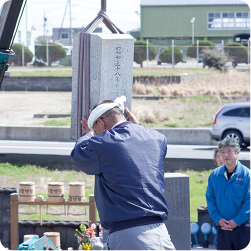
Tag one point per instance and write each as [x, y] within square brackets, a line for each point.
[229, 142]
[111, 114]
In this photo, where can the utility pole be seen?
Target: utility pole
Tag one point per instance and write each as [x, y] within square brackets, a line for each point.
[248, 52]
[70, 22]
[23, 54]
[47, 53]
[62, 21]
[26, 25]
[172, 53]
[147, 52]
[45, 20]
[197, 52]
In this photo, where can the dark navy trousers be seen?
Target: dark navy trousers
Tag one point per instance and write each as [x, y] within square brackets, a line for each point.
[237, 239]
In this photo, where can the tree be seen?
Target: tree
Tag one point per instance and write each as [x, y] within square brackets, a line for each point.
[166, 55]
[214, 59]
[17, 58]
[237, 52]
[140, 52]
[192, 50]
[56, 52]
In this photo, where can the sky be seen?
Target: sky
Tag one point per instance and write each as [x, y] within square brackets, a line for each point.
[121, 12]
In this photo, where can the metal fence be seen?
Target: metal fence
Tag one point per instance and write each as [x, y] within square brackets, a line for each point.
[148, 55]
[173, 55]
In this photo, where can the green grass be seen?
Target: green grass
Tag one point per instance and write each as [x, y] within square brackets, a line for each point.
[198, 181]
[63, 73]
[137, 72]
[19, 172]
[197, 99]
[43, 72]
[15, 173]
[171, 125]
[58, 122]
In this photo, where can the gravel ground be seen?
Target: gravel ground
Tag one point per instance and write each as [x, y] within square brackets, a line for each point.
[18, 108]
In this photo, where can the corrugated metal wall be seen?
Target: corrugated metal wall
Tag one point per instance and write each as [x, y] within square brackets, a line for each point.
[174, 21]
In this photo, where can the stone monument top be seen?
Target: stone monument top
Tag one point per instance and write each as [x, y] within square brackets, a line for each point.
[102, 68]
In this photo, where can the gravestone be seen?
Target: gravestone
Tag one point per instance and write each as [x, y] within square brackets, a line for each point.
[5, 218]
[178, 200]
[111, 71]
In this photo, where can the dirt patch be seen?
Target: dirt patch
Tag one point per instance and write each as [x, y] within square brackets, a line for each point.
[18, 108]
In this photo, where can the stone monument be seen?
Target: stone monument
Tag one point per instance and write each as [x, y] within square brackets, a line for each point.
[178, 200]
[102, 68]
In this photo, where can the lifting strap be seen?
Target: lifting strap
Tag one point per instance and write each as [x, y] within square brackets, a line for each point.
[84, 60]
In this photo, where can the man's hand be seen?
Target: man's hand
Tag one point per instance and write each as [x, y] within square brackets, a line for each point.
[84, 123]
[131, 116]
[232, 224]
[225, 225]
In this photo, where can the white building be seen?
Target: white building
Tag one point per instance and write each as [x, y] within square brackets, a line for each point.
[25, 34]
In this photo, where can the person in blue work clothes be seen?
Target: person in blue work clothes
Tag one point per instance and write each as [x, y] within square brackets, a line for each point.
[127, 161]
[228, 198]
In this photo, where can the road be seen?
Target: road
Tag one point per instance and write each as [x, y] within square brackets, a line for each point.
[64, 149]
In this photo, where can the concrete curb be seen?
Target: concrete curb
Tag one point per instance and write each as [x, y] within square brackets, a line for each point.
[35, 133]
[177, 136]
[187, 136]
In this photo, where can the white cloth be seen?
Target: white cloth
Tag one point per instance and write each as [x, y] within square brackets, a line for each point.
[118, 123]
[101, 109]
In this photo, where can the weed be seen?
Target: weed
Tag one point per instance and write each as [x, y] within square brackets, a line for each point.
[164, 90]
[138, 88]
[58, 122]
[171, 124]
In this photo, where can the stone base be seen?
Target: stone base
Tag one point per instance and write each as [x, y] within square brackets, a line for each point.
[178, 201]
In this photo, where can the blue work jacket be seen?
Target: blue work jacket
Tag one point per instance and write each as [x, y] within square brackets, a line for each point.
[229, 199]
[128, 165]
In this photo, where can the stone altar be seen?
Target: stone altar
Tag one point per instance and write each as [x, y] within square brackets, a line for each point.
[178, 200]
[111, 70]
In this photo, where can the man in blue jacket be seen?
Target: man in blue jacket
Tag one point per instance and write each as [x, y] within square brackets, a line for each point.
[228, 198]
[127, 161]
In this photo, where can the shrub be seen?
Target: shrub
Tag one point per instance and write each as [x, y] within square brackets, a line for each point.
[238, 54]
[56, 52]
[140, 52]
[192, 50]
[166, 55]
[17, 58]
[215, 59]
